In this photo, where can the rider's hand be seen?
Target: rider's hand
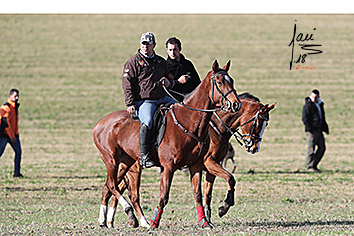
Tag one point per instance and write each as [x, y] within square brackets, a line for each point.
[13, 140]
[165, 82]
[131, 109]
[183, 79]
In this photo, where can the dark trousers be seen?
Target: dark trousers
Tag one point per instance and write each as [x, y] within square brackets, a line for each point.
[17, 149]
[313, 156]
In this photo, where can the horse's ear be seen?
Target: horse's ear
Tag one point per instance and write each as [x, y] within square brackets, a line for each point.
[264, 108]
[271, 107]
[227, 66]
[215, 66]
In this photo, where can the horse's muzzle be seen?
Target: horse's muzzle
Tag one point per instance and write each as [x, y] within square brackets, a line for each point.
[250, 146]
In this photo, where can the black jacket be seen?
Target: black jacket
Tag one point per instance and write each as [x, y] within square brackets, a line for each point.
[311, 117]
[179, 68]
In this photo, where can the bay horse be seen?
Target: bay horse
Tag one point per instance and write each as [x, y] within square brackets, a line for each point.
[253, 118]
[185, 142]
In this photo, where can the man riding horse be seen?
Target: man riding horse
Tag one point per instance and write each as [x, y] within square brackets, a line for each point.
[142, 73]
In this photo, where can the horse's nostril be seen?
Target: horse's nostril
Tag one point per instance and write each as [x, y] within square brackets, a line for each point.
[236, 106]
[228, 105]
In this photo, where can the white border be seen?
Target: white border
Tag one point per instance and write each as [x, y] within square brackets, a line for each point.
[176, 7]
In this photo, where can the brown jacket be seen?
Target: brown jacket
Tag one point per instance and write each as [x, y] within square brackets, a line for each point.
[10, 111]
[140, 75]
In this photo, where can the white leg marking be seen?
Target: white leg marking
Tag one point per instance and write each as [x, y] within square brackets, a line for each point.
[143, 222]
[261, 134]
[103, 215]
[125, 204]
[110, 217]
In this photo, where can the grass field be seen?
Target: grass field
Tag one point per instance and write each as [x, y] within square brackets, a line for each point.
[68, 69]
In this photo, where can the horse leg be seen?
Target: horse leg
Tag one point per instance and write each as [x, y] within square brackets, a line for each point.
[166, 177]
[111, 212]
[215, 169]
[230, 155]
[196, 174]
[132, 221]
[208, 187]
[134, 177]
[106, 194]
[115, 176]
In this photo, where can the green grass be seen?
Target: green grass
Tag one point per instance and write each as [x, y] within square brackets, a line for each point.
[68, 69]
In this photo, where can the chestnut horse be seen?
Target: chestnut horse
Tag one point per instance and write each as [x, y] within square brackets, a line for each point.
[185, 142]
[253, 118]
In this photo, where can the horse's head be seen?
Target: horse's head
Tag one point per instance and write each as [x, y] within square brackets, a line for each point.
[254, 121]
[223, 93]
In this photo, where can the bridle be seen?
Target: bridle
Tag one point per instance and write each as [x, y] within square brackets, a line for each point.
[224, 96]
[251, 136]
[240, 138]
[227, 105]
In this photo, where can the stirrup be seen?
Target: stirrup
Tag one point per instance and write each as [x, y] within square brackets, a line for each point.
[146, 162]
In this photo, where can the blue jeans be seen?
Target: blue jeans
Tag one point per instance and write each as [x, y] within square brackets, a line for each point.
[146, 109]
[17, 149]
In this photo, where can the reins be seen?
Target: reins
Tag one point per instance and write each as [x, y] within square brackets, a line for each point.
[224, 96]
[230, 131]
[202, 142]
[237, 133]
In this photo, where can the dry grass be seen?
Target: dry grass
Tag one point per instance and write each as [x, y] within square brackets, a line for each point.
[68, 69]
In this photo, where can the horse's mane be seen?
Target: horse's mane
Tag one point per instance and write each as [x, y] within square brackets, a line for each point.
[249, 96]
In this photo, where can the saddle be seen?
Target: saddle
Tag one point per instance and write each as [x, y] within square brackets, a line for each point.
[159, 126]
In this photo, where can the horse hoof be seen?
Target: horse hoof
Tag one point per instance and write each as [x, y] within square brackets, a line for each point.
[132, 220]
[223, 210]
[154, 226]
[207, 227]
[133, 223]
[102, 225]
[110, 225]
[144, 223]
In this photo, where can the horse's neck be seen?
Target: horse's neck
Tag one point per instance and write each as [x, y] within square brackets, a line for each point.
[229, 120]
[196, 121]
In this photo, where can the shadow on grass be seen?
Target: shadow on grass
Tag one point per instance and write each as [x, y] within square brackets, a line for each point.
[252, 171]
[72, 177]
[301, 224]
[54, 189]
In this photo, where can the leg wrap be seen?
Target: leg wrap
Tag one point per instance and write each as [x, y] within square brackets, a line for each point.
[202, 221]
[230, 198]
[155, 219]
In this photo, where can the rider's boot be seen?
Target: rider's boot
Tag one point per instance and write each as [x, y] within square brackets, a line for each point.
[144, 142]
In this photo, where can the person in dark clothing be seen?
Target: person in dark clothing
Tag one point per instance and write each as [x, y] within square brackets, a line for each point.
[314, 119]
[183, 71]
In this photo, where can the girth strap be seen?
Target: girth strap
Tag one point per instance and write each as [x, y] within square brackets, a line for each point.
[202, 142]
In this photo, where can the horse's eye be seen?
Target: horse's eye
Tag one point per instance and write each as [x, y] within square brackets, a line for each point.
[219, 83]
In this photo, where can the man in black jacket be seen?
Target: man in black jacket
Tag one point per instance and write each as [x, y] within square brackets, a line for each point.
[183, 71]
[314, 119]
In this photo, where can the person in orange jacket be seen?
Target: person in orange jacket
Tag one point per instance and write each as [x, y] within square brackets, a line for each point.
[9, 129]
